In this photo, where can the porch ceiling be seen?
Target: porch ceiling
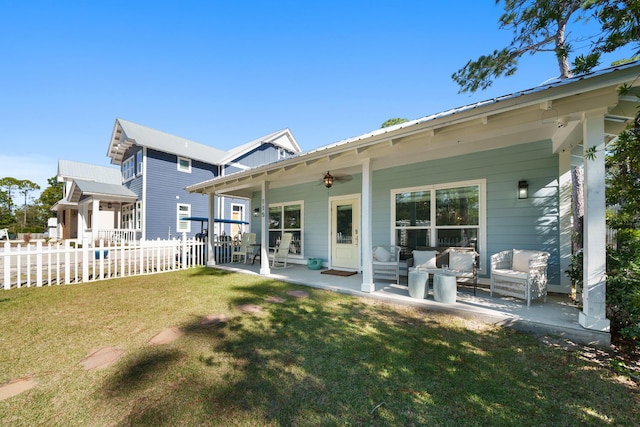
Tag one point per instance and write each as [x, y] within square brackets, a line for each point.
[557, 117]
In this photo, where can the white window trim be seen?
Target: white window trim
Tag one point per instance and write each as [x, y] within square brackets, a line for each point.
[129, 164]
[181, 214]
[139, 162]
[482, 214]
[181, 169]
[281, 229]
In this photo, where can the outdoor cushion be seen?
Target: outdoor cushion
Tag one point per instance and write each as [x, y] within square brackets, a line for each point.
[461, 261]
[424, 259]
[521, 259]
[511, 273]
[381, 254]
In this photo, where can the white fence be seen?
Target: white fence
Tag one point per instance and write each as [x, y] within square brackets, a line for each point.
[56, 264]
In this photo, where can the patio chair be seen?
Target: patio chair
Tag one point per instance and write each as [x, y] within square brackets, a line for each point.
[245, 249]
[521, 274]
[281, 252]
[386, 263]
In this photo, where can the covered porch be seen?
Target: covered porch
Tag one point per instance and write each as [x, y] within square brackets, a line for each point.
[558, 316]
[449, 178]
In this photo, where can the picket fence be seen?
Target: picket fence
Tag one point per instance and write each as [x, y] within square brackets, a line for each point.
[61, 263]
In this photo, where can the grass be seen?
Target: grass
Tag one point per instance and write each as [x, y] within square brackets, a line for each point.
[329, 359]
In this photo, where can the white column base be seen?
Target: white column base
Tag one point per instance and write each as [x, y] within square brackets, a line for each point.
[368, 287]
[601, 324]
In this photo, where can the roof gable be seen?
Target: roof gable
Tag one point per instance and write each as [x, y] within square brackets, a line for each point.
[281, 138]
[127, 134]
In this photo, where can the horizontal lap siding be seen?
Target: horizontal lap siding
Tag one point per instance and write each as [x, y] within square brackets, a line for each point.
[511, 223]
[165, 189]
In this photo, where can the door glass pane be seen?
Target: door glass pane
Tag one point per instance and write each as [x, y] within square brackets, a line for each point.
[457, 206]
[344, 224]
[413, 208]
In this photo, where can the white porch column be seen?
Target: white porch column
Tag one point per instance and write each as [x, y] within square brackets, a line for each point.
[593, 314]
[264, 235]
[211, 258]
[81, 223]
[95, 206]
[564, 193]
[367, 229]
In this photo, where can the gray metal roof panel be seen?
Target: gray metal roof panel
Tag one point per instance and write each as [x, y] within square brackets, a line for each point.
[95, 188]
[165, 142]
[86, 171]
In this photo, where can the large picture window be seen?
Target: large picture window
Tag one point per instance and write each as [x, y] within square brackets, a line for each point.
[440, 215]
[287, 218]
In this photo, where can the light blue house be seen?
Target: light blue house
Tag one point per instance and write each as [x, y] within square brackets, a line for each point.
[452, 179]
[145, 197]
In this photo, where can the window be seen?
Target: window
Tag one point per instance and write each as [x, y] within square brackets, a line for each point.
[138, 215]
[128, 169]
[184, 164]
[139, 162]
[130, 214]
[287, 218]
[282, 154]
[441, 215]
[183, 211]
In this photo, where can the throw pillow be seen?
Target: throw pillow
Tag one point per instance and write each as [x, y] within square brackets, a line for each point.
[424, 259]
[521, 259]
[381, 254]
[461, 261]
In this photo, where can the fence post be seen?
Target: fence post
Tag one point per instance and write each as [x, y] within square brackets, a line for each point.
[85, 260]
[183, 244]
[67, 262]
[38, 263]
[7, 265]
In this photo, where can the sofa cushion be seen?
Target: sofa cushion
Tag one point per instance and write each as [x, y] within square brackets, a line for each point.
[511, 273]
[381, 254]
[461, 261]
[424, 259]
[521, 259]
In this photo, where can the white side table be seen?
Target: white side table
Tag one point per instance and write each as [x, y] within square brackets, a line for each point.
[444, 287]
[418, 283]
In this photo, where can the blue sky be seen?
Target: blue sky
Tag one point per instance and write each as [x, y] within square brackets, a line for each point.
[224, 73]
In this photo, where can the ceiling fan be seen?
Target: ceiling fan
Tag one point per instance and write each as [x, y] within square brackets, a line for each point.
[328, 180]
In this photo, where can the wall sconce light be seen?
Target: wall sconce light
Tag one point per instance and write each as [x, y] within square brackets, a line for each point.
[523, 190]
[328, 180]
[109, 205]
[256, 212]
[100, 206]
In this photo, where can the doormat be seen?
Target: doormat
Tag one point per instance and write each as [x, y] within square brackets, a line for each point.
[338, 272]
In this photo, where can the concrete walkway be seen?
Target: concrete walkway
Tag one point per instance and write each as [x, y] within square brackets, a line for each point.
[558, 316]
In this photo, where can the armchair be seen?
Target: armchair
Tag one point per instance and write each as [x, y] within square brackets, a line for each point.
[281, 252]
[386, 263]
[244, 250]
[521, 274]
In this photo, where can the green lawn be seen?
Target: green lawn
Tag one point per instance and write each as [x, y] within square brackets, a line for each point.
[329, 359]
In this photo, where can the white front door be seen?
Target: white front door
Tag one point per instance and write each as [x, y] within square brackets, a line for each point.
[344, 235]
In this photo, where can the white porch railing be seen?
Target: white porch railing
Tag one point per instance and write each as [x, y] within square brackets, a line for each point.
[118, 235]
[56, 264]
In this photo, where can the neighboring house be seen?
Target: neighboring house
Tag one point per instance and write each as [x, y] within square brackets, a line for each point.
[145, 197]
[90, 193]
[452, 179]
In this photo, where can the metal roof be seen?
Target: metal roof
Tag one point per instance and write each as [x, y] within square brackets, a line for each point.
[127, 134]
[76, 170]
[82, 188]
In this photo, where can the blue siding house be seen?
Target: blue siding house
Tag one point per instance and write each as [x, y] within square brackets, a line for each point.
[149, 200]
[453, 179]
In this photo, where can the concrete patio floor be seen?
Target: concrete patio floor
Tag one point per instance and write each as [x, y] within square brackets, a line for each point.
[558, 316]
